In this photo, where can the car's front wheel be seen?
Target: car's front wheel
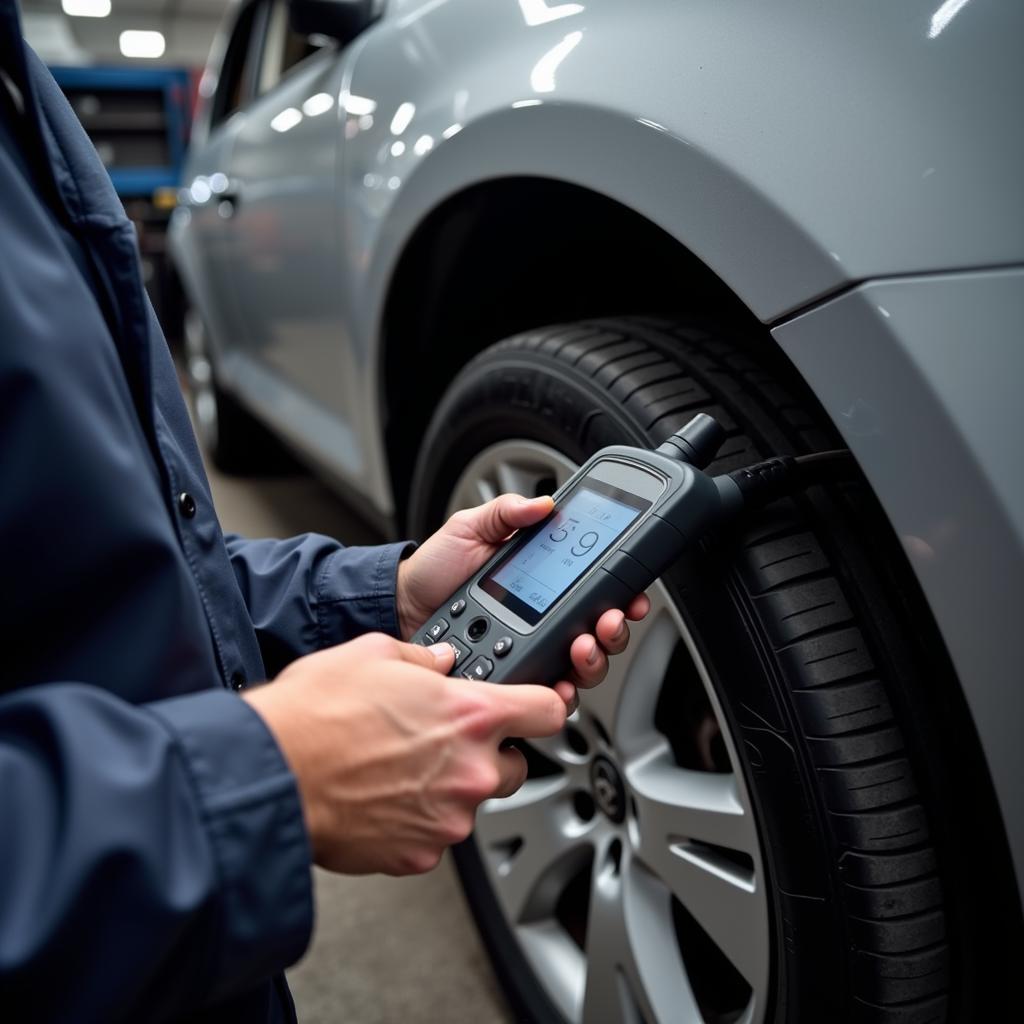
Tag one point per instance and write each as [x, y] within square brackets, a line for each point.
[731, 827]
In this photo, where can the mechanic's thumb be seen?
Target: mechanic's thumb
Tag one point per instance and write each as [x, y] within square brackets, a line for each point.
[439, 657]
[507, 513]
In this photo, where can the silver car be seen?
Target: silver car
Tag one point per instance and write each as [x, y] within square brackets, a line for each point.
[447, 248]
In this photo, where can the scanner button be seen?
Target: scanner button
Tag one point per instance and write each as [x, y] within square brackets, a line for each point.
[457, 608]
[502, 646]
[477, 628]
[479, 669]
[461, 652]
[437, 629]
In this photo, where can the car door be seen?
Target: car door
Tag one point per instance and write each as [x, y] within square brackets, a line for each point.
[208, 242]
[285, 224]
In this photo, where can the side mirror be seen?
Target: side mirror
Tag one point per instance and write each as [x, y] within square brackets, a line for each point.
[342, 20]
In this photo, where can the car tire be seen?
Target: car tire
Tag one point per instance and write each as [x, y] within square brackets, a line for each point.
[813, 647]
[233, 440]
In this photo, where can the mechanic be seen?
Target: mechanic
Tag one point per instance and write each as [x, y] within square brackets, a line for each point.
[157, 829]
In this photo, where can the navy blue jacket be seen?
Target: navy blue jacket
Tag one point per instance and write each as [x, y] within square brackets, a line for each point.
[153, 859]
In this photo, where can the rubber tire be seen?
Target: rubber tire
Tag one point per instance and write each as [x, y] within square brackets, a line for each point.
[810, 646]
[241, 445]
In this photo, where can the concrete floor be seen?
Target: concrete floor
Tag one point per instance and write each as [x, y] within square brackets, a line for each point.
[384, 950]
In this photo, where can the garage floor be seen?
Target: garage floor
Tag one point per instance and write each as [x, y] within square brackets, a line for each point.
[384, 950]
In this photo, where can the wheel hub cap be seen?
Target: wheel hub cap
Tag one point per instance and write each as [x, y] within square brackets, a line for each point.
[607, 788]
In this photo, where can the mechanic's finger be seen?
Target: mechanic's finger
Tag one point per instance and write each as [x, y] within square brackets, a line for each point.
[439, 657]
[568, 692]
[512, 771]
[612, 631]
[638, 607]
[529, 711]
[589, 662]
[507, 513]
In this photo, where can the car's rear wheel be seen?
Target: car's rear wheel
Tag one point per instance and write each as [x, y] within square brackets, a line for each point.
[232, 438]
[733, 827]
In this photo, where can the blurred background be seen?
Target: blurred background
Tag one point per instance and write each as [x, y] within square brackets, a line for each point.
[131, 70]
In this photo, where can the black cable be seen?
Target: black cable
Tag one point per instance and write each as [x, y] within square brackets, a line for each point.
[774, 478]
[835, 455]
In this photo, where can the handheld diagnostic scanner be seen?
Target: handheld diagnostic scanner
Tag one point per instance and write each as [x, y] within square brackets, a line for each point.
[617, 524]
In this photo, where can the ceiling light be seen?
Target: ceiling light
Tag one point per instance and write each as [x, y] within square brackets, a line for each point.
[86, 8]
[136, 43]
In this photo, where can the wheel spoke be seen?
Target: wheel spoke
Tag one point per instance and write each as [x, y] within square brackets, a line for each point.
[633, 967]
[534, 843]
[685, 821]
[624, 703]
[675, 804]
[509, 466]
[556, 748]
[485, 490]
[518, 478]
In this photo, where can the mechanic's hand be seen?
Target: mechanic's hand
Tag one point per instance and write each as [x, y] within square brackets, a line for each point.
[392, 757]
[449, 557]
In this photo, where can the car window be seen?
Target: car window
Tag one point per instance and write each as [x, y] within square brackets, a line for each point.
[283, 47]
[238, 67]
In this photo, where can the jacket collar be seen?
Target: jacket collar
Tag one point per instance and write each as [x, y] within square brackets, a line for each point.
[14, 61]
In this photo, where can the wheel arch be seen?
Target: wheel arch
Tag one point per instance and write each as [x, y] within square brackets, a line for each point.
[454, 290]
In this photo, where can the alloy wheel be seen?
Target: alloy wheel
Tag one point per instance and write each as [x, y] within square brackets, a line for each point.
[628, 867]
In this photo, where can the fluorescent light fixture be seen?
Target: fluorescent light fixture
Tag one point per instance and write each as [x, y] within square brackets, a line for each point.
[358, 106]
[85, 8]
[424, 144]
[525, 103]
[403, 115]
[136, 43]
[542, 78]
[286, 120]
[944, 15]
[451, 131]
[537, 12]
[317, 104]
[397, 147]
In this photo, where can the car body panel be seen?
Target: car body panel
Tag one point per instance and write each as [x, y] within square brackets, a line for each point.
[919, 171]
[797, 149]
[922, 378]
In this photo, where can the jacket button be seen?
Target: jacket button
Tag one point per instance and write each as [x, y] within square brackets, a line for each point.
[186, 504]
[237, 681]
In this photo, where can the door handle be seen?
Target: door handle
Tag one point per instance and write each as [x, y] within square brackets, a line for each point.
[227, 204]
[205, 192]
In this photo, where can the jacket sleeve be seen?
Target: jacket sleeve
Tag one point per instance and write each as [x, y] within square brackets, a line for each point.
[166, 874]
[311, 592]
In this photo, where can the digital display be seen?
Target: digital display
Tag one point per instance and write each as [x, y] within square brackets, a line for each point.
[536, 573]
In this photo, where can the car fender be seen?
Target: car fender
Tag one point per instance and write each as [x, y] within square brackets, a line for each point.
[795, 148]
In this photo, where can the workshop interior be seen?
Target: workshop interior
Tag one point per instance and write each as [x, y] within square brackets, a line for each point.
[741, 286]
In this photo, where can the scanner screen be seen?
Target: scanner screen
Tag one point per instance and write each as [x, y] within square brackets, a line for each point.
[536, 573]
